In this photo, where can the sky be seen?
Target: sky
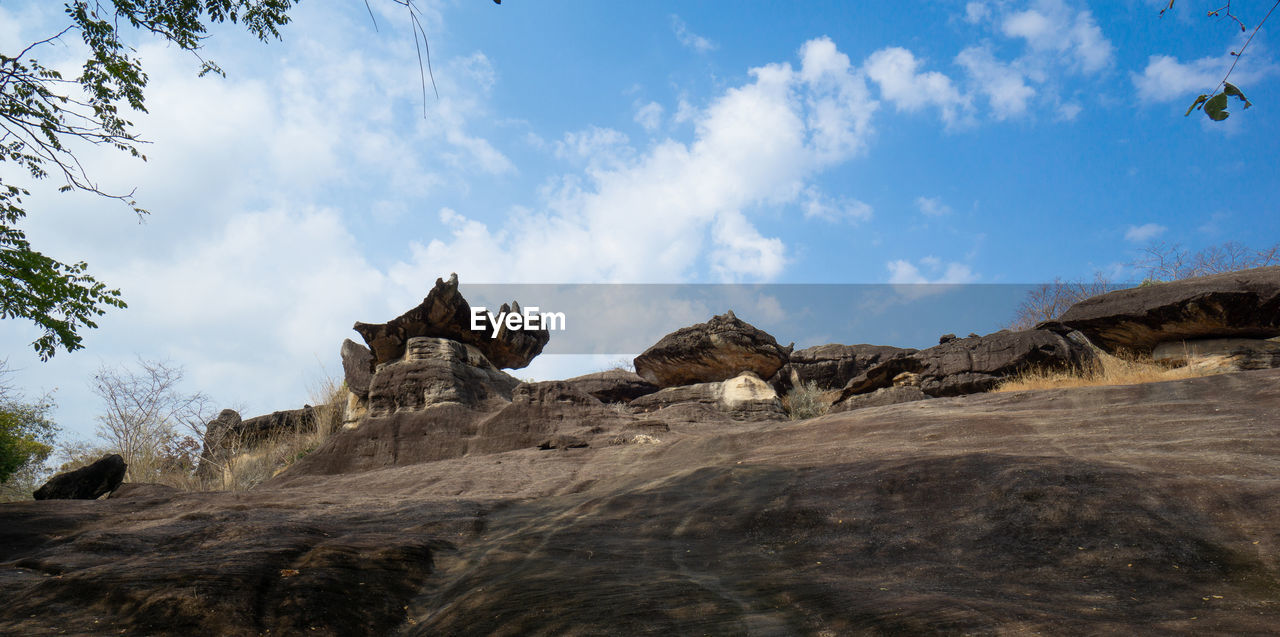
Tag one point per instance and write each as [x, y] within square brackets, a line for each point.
[983, 142]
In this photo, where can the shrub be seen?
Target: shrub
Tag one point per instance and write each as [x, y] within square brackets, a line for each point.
[805, 401]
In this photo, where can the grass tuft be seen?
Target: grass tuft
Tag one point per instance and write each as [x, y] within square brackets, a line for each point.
[1125, 369]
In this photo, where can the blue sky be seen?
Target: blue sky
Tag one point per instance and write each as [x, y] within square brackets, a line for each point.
[653, 142]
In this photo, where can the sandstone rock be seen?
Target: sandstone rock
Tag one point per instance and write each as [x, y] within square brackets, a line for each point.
[143, 491]
[446, 314]
[744, 397]
[946, 338]
[881, 397]
[976, 364]
[86, 483]
[614, 385]
[1233, 354]
[228, 434]
[1244, 304]
[357, 367]
[434, 371]
[717, 350]
[831, 366]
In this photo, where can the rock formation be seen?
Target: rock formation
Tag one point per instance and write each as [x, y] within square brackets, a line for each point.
[744, 397]
[717, 350]
[1244, 304]
[357, 367]
[228, 434]
[1228, 354]
[975, 364]
[86, 483]
[614, 385]
[435, 371]
[446, 314]
[831, 366]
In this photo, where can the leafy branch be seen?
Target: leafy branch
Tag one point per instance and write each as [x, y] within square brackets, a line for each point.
[1214, 103]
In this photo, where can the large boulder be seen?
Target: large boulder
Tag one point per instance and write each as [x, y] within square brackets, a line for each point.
[1244, 304]
[435, 371]
[744, 397]
[976, 364]
[1228, 354]
[614, 385]
[228, 435]
[357, 367]
[717, 350]
[831, 366]
[446, 314]
[86, 483]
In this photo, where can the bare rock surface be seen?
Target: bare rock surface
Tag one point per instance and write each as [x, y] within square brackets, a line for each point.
[1145, 509]
[1235, 354]
[717, 350]
[86, 483]
[614, 385]
[743, 397]
[831, 366]
[1243, 304]
[446, 314]
[974, 364]
[357, 367]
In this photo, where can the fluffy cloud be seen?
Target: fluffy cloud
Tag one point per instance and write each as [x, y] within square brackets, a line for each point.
[649, 116]
[1166, 79]
[1051, 26]
[1004, 86]
[904, 272]
[895, 70]
[819, 206]
[678, 210]
[1144, 233]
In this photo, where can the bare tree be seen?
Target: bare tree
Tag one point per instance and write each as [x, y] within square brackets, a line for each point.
[1049, 300]
[145, 413]
[1163, 262]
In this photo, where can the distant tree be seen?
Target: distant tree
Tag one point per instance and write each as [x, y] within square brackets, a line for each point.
[26, 433]
[1163, 262]
[1049, 300]
[144, 415]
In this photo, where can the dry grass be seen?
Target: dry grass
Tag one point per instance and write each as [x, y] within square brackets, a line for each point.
[805, 401]
[1112, 370]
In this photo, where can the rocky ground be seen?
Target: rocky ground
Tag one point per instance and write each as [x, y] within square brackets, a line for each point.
[1144, 509]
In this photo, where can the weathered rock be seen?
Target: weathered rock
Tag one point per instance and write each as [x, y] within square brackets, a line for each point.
[614, 385]
[744, 397]
[446, 314]
[976, 364]
[717, 350]
[357, 367]
[946, 338]
[214, 432]
[143, 491]
[228, 434]
[831, 366]
[881, 397]
[86, 483]
[1233, 354]
[434, 371]
[1244, 304]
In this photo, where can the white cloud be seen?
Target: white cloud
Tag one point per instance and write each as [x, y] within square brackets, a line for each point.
[1144, 233]
[818, 206]
[1052, 26]
[688, 38]
[894, 69]
[1167, 79]
[1001, 83]
[975, 12]
[932, 206]
[1068, 111]
[649, 116]
[903, 272]
[678, 209]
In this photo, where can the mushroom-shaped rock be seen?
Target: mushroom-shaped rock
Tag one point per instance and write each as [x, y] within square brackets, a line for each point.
[717, 350]
[446, 314]
[86, 483]
[1243, 304]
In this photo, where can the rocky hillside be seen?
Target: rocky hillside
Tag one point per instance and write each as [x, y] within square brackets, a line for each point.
[684, 500]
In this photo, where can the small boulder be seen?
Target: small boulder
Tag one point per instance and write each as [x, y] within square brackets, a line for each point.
[1244, 304]
[86, 483]
[717, 350]
[614, 385]
[446, 314]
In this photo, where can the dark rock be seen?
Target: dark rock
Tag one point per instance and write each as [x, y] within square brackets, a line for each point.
[972, 365]
[1229, 354]
[831, 366]
[357, 367]
[228, 434]
[214, 432]
[744, 397]
[143, 491]
[1244, 304]
[614, 385]
[946, 338]
[881, 397]
[717, 350]
[446, 314]
[434, 371]
[86, 483]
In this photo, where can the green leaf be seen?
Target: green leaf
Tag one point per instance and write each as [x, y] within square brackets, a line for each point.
[1217, 116]
[1216, 107]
